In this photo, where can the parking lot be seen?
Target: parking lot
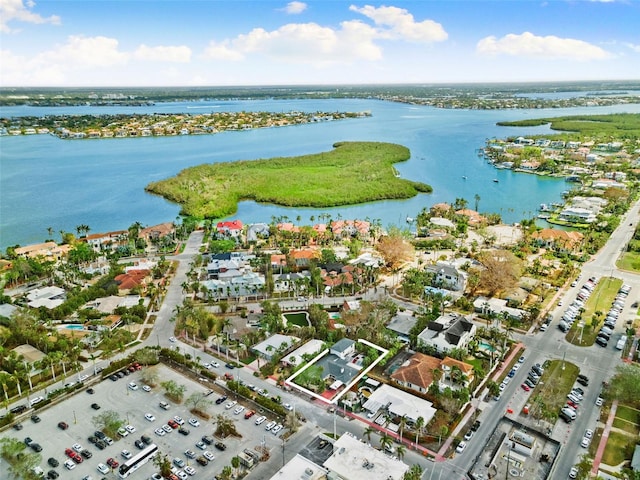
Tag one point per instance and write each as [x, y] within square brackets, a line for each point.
[132, 405]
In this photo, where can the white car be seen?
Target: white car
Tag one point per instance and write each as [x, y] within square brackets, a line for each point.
[276, 429]
[584, 443]
[461, 446]
[208, 455]
[288, 406]
[194, 422]
[167, 428]
[238, 410]
[230, 405]
[215, 364]
[178, 420]
[599, 402]
[588, 433]
[573, 473]
[173, 339]
[122, 432]
[77, 447]
[182, 475]
[130, 428]
[126, 454]
[146, 388]
[132, 386]
[103, 469]
[70, 464]
[206, 365]
[149, 417]
[260, 419]
[82, 378]
[190, 470]
[270, 425]
[201, 445]
[160, 432]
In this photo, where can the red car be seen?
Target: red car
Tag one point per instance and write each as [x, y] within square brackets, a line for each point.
[572, 404]
[69, 453]
[76, 458]
[249, 414]
[525, 387]
[112, 462]
[173, 424]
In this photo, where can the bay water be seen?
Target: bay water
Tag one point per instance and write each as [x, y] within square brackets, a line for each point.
[46, 182]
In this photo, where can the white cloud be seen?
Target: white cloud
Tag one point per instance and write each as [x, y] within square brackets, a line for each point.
[550, 47]
[161, 53]
[295, 8]
[402, 25]
[632, 46]
[307, 43]
[87, 52]
[17, 11]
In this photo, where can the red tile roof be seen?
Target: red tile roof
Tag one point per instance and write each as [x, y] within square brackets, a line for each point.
[419, 370]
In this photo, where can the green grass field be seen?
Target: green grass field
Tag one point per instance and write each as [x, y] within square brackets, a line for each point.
[350, 174]
[550, 395]
[629, 261]
[615, 451]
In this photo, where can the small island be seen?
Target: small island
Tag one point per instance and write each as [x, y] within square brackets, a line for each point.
[351, 173]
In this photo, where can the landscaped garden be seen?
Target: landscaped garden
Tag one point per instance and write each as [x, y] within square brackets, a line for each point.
[550, 394]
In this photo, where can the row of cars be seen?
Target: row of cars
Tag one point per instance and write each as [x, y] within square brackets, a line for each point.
[604, 335]
[272, 426]
[569, 412]
[572, 312]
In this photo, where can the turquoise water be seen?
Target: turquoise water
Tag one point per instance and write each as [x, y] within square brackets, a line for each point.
[486, 346]
[74, 327]
[48, 182]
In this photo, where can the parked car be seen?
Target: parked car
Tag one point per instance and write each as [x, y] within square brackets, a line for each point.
[220, 446]
[63, 425]
[461, 446]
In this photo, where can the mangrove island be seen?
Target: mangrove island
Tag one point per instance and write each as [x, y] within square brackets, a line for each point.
[365, 169]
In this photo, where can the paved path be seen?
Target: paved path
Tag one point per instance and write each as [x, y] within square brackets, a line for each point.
[604, 438]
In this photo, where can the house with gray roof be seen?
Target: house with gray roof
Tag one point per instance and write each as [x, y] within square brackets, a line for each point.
[448, 276]
[447, 332]
[275, 343]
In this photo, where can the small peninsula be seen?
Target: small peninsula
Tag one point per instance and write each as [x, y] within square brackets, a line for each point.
[351, 173]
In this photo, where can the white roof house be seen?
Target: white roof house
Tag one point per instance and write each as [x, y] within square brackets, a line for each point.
[271, 345]
[49, 297]
[312, 347]
[400, 403]
[355, 460]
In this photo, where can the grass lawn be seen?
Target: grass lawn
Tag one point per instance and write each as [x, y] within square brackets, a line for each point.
[629, 261]
[615, 451]
[599, 301]
[365, 168]
[550, 395]
[625, 425]
[628, 413]
[247, 360]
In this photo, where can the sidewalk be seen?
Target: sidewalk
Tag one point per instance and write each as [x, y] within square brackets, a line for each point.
[604, 438]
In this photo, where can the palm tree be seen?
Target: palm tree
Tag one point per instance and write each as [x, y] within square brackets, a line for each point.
[385, 440]
[476, 197]
[164, 465]
[401, 424]
[368, 431]
[400, 451]
[419, 425]
[4, 378]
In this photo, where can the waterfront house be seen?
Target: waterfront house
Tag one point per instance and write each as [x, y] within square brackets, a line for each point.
[559, 240]
[46, 250]
[100, 242]
[473, 217]
[257, 231]
[577, 215]
[350, 228]
[156, 232]
[231, 228]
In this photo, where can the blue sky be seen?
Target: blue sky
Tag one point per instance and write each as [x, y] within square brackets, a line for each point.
[265, 42]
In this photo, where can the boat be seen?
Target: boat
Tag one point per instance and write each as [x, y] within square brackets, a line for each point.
[544, 207]
[410, 219]
[542, 216]
[495, 180]
[464, 177]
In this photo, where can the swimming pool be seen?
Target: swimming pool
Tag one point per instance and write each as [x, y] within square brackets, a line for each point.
[486, 346]
[74, 327]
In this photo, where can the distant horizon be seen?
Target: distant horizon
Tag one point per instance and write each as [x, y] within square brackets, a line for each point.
[213, 43]
[281, 85]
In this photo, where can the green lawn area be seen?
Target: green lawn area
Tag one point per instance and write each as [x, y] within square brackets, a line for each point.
[629, 261]
[625, 425]
[599, 301]
[628, 413]
[615, 451]
[550, 395]
[214, 190]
